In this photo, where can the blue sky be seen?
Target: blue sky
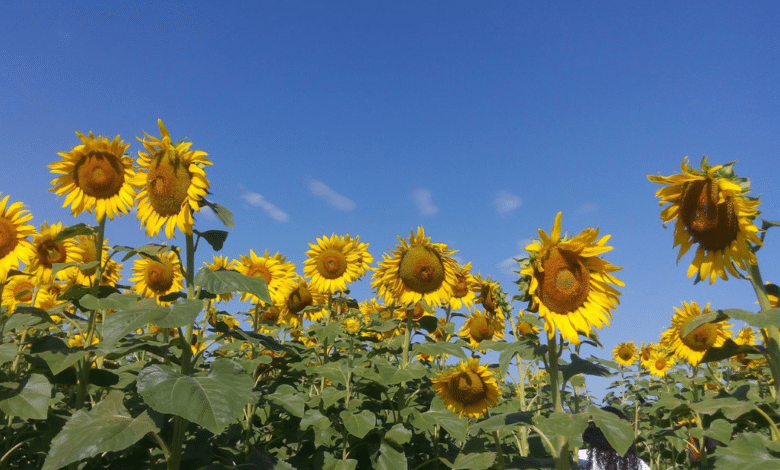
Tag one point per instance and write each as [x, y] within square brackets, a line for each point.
[479, 121]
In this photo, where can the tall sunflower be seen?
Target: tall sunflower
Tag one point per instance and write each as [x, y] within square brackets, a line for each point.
[491, 296]
[154, 279]
[48, 251]
[568, 284]
[275, 270]
[481, 326]
[469, 389]
[173, 183]
[416, 270]
[692, 347]
[14, 231]
[335, 261]
[97, 176]
[625, 353]
[714, 212]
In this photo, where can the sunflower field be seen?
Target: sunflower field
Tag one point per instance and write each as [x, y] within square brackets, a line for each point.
[441, 369]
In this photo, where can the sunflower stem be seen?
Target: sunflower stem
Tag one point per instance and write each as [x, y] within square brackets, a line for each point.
[771, 335]
[561, 454]
[521, 370]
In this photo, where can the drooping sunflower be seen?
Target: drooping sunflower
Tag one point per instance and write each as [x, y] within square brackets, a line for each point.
[463, 291]
[416, 270]
[294, 297]
[14, 231]
[714, 212]
[84, 252]
[568, 283]
[173, 183]
[275, 270]
[491, 296]
[525, 328]
[154, 279]
[625, 353]
[219, 263]
[97, 177]
[481, 326]
[469, 389]
[48, 252]
[644, 354]
[335, 261]
[659, 362]
[692, 347]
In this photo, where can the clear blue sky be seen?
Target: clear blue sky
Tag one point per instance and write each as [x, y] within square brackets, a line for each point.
[479, 121]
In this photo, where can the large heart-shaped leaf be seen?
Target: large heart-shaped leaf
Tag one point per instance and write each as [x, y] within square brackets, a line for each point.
[118, 324]
[225, 282]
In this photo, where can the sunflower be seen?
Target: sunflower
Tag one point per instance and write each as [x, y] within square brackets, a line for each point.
[111, 273]
[644, 354]
[568, 283]
[275, 270]
[48, 252]
[492, 297]
[463, 293]
[351, 324]
[335, 261]
[221, 263]
[469, 389]
[154, 279]
[625, 353]
[525, 328]
[712, 211]
[293, 298]
[692, 347]
[417, 270]
[18, 290]
[481, 326]
[97, 176]
[14, 245]
[173, 183]
[78, 341]
[84, 252]
[377, 307]
[659, 362]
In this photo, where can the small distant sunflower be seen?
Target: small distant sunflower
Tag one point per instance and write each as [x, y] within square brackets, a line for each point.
[18, 290]
[78, 341]
[692, 347]
[220, 263]
[154, 279]
[111, 274]
[469, 389]
[14, 230]
[374, 306]
[335, 261]
[351, 324]
[84, 252]
[294, 297]
[569, 284]
[275, 270]
[625, 353]
[417, 270]
[97, 177]
[463, 294]
[173, 183]
[746, 336]
[525, 328]
[48, 252]
[481, 326]
[713, 212]
[659, 362]
[644, 354]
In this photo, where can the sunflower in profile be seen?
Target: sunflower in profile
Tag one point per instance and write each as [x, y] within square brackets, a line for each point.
[659, 362]
[491, 296]
[84, 252]
[568, 283]
[625, 354]
[293, 298]
[645, 352]
[481, 326]
[48, 252]
[156, 278]
[692, 347]
[335, 261]
[713, 212]
[416, 270]
[469, 389]
[18, 290]
[14, 231]
[526, 328]
[220, 263]
[96, 176]
[111, 273]
[275, 270]
[173, 183]
[463, 291]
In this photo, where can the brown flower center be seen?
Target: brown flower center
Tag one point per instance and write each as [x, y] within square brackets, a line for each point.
[467, 388]
[702, 338]
[421, 269]
[461, 287]
[8, 240]
[270, 315]
[480, 329]
[525, 328]
[660, 363]
[299, 299]
[713, 226]
[100, 175]
[646, 353]
[625, 353]
[50, 252]
[23, 291]
[260, 272]
[167, 183]
[331, 263]
[159, 277]
[564, 282]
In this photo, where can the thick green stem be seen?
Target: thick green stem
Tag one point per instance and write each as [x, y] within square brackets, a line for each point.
[561, 457]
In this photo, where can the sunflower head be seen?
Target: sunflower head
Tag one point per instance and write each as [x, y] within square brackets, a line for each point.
[526, 328]
[713, 212]
[644, 354]
[48, 251]
[221, 263]
[464, 288]
[482, 326]
[297, 301]
[692, 346]
[492, 297]
[335, 261]
[96, 176]
[625, 354]
[18, 290]
[173, 183]
[568, 284]
[274, 269]
[157, 278]
[659, 362]
[469, 389]
[14, 232]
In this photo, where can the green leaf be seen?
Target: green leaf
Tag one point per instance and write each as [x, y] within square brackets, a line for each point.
[107, 427]
[731, 407]
[618, 432]
[729, 349]
[581, 366]
[358, 424]
[480, 461]
[215, 238]
[390, 458]
[57, 355]
[720, 429]
[457, 427]
[713, 317]
[524, 349]
[8, 352]
[112, 302]
[225, 282]
[73, 231]
[150, 249]
[747, 451]
[211, 401]
[398, 435]
[22, 320]
[562, 424]
[27, 400]
[762, 319]
[438, 348]
[118, 324]
[222, 213]
[289, 399]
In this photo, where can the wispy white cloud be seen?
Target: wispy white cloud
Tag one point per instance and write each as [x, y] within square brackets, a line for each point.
[330, 196]
[587, 208]
[257, 200]
[509, 265]
[505, 202]
[423, 199]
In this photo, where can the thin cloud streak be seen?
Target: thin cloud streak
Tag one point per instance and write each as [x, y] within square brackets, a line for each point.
[423, 199]
[330, 196]
[257, 200]
[505, 202]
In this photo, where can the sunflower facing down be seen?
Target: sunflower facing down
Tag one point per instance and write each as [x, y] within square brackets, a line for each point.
[335, 261]
[154, 279]
[713, 212]
[469, 389]
[569, 284]
[416, 270]
[97, 177]
[692, 347]
[625, 353]
[14, 231]
[173, 183]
